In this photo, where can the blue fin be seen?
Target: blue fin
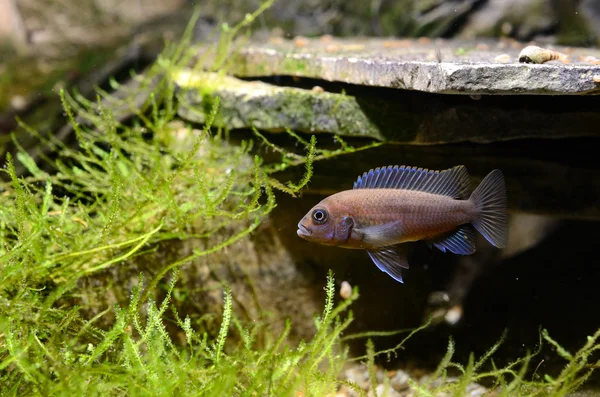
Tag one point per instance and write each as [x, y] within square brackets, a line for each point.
[381, 235]
[490, 200]
[390, 262]
[460, 242]
[453, 182]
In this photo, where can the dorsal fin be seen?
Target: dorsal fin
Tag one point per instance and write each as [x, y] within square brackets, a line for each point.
[453, 182]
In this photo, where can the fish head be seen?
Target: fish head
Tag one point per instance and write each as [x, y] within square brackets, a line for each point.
[326, 223]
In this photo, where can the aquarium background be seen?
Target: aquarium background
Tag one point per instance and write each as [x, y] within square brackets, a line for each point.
[148, 218]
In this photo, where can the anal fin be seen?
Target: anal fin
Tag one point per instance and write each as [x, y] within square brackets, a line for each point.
[390, 261]
[460, 242]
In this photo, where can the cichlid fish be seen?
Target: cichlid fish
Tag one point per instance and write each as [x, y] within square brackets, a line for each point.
[394, 205]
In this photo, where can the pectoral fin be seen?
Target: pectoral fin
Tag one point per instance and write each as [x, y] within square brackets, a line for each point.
[390, 262]
[381, 235]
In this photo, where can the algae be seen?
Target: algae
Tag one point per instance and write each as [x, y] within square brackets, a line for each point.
[268, 107]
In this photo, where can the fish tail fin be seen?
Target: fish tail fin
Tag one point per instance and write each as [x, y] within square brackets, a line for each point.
[490, 200]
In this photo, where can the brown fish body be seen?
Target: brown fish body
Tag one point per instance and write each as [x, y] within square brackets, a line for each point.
[389, 206]
[418, 215]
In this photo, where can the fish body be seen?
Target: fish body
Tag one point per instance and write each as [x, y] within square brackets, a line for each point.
[412, 215]
[394, 205]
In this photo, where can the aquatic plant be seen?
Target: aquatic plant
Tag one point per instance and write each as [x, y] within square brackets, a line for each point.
[138, 357]
[108, 201]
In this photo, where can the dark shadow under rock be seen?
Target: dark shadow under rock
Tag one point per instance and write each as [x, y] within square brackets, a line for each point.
[557, 178]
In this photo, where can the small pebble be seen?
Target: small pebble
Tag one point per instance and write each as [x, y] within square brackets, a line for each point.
[317, 89]
[502, 58]
[438, 298]
[276, 40]
[397, 383]
[277, 32]
[379, 375]
[506, 28]
[400, 380]
[353, 47]
[345, 290]
[381, 391]
[397, 44]
[590, 59]
[474, 390]
[18, 102]
[596, 78]
[358, 375]
[300, 42]
[454, 315]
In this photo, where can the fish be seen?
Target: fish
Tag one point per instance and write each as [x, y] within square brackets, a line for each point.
[390, 206]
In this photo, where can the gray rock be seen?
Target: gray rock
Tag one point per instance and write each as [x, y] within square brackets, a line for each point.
[268, 107]
[399, 116]
[400, 380]
[440, 66]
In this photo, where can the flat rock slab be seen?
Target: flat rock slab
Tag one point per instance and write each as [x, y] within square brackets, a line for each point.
[384, 114]
[435, 66]
[244, 104]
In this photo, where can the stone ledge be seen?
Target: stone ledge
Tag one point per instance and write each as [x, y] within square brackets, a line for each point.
[399, 116]
[440, 66]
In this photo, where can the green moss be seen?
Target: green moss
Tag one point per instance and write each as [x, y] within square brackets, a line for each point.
[297, 66]
[85, 219]
[110, 203]
[265, 106]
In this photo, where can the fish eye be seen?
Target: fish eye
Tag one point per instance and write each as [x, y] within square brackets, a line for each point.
[320, 216]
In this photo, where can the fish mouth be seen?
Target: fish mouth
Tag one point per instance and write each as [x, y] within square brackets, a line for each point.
[303, 231]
